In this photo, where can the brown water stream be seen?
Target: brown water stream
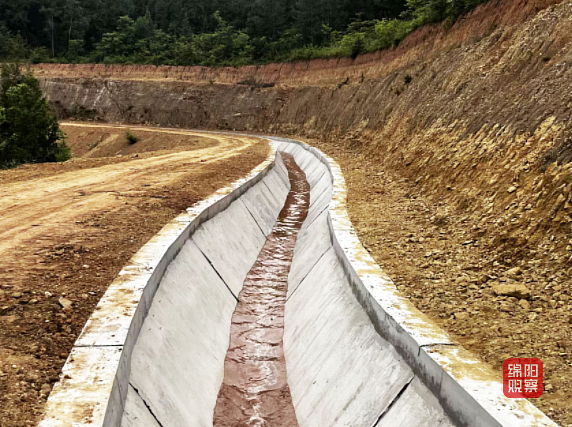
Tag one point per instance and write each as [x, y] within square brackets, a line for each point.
[255, 390]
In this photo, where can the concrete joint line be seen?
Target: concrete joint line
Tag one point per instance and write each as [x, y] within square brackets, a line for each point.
[217, 273]
[318, 180]
[395, 399]
[266, 185]
[318, 216]
[304, 278]
[254, 219]
[146, 405]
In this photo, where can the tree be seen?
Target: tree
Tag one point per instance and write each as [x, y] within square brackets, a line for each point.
[267, 18]
[312, 16]
[120, 43]
[309, 19]
[225, 44]
[11, 47]
[76, 21]
[29, 130]
[427, 10]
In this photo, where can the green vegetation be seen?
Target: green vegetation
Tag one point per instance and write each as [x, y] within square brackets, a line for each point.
[29, 131]
[131, 138]
[210, 32]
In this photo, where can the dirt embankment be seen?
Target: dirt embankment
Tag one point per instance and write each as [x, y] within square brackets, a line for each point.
[456, 147]
[67, 229]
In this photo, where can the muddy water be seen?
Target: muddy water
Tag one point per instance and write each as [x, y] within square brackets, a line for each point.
[255, 390]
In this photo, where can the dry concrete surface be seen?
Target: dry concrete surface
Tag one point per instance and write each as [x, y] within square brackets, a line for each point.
[67, 229]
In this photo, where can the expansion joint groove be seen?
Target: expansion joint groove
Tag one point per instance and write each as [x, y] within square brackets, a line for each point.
[395, 399]
[146, 405]
[217, 273]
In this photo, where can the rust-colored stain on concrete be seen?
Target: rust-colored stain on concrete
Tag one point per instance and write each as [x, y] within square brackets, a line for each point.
[255, 390]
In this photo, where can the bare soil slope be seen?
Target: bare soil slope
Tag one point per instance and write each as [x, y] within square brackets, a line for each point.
[460, 136]
[67, 229]
[450, 264]
[97, 142]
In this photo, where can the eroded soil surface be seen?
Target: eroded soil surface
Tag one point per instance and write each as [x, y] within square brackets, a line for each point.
[66, 230]
[449, 265]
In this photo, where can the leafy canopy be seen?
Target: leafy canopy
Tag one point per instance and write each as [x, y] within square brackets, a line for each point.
[210, 32]
[29, 130]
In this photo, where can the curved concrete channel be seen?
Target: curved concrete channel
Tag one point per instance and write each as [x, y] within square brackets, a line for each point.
[334, 344]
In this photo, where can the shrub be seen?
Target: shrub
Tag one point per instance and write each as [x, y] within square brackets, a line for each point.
[388, 33]
[131, 138]
[353, 44]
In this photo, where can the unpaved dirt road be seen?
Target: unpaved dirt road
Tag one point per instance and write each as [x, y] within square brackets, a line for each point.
[67, 229]
[30, 208]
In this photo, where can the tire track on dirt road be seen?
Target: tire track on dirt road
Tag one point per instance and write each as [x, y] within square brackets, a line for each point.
[29, 208]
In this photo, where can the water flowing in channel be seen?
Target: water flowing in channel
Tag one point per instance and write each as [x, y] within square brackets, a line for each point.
[255, 389]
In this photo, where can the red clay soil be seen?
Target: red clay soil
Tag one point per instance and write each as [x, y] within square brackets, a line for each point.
[66, 231]
[255, 389]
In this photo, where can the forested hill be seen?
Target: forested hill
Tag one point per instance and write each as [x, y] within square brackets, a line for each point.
[209, 32]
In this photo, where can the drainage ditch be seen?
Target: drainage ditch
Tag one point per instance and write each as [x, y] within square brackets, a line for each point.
[255, 389]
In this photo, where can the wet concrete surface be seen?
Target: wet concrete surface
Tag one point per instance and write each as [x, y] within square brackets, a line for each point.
[255, 390]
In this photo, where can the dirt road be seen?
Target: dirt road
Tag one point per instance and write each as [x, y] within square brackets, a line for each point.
[67, 229]
[30, 208]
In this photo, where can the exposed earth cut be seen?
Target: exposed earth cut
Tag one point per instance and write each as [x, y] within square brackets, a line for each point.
[456, 150]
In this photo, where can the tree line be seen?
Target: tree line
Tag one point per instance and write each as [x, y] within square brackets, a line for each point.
[209, 32]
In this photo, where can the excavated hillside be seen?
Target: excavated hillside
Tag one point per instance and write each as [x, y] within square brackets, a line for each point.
[456, 147]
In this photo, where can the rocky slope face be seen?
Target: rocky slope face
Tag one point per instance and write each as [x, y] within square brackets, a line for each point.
[478, 114]
[475, 120]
